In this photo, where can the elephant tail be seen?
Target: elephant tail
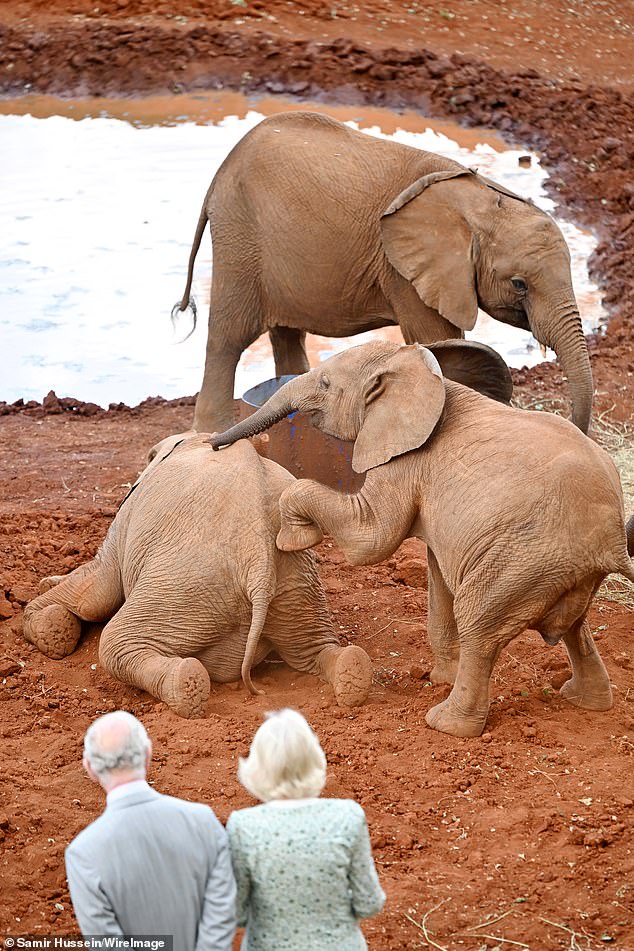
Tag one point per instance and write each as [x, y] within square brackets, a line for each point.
[625, 565]
[259, 608]
[627, 570]
[185, 301]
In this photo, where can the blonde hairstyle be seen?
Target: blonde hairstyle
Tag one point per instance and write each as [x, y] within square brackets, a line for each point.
[285, 761]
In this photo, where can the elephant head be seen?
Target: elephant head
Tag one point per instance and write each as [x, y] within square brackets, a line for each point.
[342, 396]
[464, 242]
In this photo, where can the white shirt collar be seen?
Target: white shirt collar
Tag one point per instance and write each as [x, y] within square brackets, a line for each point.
[126, 789]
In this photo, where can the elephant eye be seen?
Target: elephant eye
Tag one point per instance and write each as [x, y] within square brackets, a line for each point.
[519, 283]
[324, 382]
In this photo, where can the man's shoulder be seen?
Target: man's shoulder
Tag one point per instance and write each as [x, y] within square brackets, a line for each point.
[103, 826]
[197, 810]
[86, 840]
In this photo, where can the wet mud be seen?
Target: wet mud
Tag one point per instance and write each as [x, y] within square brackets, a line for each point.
[522, 835]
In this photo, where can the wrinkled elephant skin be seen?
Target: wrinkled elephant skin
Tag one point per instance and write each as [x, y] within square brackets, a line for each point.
[522, 513]
[193, 588]
[318, 227]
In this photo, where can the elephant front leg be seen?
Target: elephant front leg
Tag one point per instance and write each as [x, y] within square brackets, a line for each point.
[368, 527]
[589, 687]
[180, 682]
[442, 630]
[465, 711]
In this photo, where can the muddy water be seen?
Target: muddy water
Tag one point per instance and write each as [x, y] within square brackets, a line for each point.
[98, 205]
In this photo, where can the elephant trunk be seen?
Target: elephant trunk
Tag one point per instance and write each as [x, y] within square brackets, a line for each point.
[279, 406]
[569, 343]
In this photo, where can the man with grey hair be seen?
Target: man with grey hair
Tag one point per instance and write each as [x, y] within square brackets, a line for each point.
[150, 864]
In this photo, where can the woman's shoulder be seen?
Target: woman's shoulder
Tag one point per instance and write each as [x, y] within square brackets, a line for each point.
[348, 806]
[243, 818]
[347, 810]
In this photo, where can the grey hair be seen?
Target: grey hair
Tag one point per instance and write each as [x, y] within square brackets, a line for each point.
[285, 761]
[127, 749]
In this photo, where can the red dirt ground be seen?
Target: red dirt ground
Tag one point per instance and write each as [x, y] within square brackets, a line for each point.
[523, 835]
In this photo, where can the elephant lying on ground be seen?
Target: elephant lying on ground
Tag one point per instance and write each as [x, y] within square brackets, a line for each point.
[317, 227]
[522, 514]
[196, 589]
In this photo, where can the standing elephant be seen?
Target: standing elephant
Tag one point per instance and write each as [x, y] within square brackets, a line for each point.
[522, 514]
[317, 227]
[195, 587]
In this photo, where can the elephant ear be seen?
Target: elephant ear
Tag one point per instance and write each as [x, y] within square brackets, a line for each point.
[474, 365]
[429, 242]
[404, 400]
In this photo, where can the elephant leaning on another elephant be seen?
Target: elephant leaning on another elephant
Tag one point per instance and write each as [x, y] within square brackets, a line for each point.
[317, 227]
[522, 514]
[196, 589]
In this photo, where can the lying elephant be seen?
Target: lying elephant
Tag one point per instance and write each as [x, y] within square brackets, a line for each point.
[317, 227]
[522, 514]
[195, 587]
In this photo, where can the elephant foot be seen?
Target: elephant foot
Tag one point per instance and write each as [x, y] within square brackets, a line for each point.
[47, 583]
[352, 677]
[444, 671]
[54, 630]
[444, 718]
[589, 696]
[294, 537]
[187, 689]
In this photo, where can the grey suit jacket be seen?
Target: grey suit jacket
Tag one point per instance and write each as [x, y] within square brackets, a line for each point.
[152, 864]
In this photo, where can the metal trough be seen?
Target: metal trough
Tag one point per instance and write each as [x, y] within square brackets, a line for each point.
[295, 444]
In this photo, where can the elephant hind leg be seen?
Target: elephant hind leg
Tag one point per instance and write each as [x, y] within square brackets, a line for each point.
[93, 592]
[289, 350]
[235, 321]
[589, 687]
[180, 682]
[350, 675]
[53, 629]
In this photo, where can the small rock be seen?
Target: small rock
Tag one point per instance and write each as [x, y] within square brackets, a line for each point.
[412, 572]
[51, 404]
[6, 608]
[418, 673]
[9, 667]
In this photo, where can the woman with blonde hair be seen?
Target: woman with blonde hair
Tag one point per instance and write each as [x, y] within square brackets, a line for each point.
[303, 865]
